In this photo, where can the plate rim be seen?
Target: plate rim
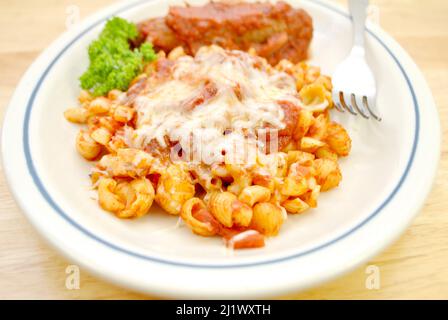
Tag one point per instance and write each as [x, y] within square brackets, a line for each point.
[122, 7]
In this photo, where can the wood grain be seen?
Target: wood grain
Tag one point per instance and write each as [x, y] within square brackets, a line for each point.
[416, 266]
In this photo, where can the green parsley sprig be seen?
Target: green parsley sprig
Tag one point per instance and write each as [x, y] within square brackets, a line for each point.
[113, 64]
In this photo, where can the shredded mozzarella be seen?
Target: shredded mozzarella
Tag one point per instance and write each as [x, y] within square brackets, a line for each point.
[245, 99]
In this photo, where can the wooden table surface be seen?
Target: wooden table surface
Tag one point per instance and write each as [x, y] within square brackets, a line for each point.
[415, 266]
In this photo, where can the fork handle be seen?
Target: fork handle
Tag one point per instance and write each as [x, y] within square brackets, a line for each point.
[358, 11]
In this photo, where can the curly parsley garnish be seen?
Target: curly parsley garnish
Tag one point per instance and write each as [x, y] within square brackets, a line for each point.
[113, 64]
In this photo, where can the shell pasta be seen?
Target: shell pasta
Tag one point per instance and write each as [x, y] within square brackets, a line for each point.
[223, 139]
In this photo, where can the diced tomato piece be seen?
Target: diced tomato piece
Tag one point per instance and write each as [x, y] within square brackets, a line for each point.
[244, 240]
[205, 216]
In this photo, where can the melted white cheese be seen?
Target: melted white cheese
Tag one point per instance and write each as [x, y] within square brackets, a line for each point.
[162, 112]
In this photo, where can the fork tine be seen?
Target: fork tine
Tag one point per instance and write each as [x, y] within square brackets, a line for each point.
[344, 104]
[355, 104]
[336, 102]
[338, 106]
[366, 104]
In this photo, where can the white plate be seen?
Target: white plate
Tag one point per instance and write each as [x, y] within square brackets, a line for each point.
[386, 178]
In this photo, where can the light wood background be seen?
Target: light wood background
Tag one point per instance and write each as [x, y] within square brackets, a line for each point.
[416, 266]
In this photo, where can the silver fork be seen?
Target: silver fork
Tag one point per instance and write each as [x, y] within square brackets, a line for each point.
[354, 88]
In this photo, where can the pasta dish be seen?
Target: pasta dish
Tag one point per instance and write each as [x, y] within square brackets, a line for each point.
[222, 123]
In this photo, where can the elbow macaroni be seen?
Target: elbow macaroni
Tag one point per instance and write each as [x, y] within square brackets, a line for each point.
[126, 200]
[174, 189]
[228, 210]
[267, 218]
[198, 219]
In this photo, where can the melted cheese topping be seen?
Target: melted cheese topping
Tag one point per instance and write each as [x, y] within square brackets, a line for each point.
[244, 98]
